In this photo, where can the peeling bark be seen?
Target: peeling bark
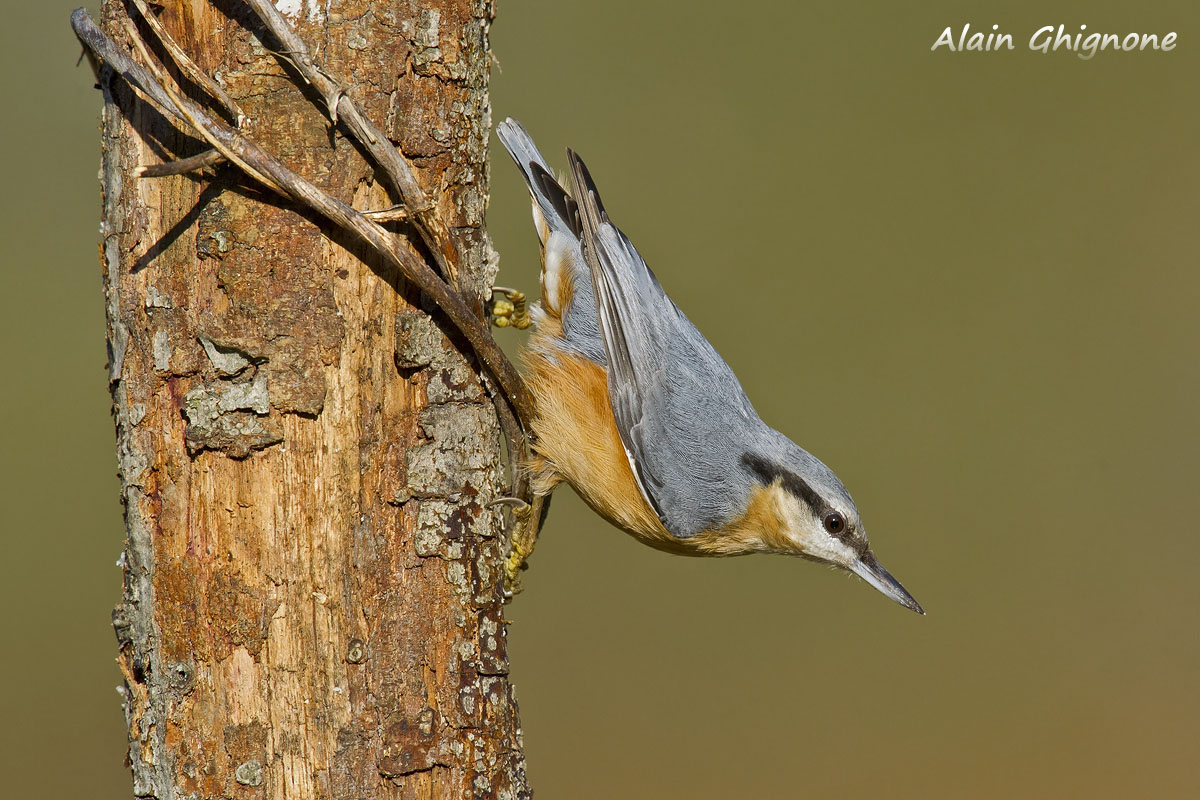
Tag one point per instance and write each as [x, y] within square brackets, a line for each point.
[311, 586]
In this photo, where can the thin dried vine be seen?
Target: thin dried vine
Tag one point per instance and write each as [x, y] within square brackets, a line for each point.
[513, 402]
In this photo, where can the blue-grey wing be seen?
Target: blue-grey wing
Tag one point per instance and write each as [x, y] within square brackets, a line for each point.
[681, 413]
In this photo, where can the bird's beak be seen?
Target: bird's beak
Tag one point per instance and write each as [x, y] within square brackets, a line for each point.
[873, 573]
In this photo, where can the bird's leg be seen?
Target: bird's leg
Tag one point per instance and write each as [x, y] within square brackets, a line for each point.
[509, 308]
[529, 517]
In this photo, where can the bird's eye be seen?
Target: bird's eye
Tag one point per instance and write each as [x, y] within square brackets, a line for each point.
[835, 523]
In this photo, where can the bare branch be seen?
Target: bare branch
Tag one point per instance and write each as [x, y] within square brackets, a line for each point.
[107, 52]
[514, 437]
[209, 158]
[262, 166]
[388, 158]
[390, 214]
[185, 107]
[189, 67]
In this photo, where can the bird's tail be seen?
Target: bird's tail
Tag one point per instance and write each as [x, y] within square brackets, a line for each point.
[551, 201]
[520, 146]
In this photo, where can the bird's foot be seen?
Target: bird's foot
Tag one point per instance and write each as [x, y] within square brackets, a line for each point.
[528, 518]
[512, 573]
[509, 307]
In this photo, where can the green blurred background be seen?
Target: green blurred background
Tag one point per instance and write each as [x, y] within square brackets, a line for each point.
[966, 281]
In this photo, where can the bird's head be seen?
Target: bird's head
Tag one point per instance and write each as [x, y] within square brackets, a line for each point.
[816, 518]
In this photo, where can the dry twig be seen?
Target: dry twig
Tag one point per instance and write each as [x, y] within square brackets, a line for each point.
[189, 67]
[396, 213]
[516, 409]
[396, 169]
[209, 158]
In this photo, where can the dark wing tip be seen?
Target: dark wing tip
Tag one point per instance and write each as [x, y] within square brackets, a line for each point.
[585, 185]
[564, 205]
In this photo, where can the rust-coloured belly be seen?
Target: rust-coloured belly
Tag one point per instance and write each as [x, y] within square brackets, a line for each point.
[576, 432]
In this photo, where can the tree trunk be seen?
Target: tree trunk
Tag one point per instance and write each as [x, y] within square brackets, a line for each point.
[311, 603]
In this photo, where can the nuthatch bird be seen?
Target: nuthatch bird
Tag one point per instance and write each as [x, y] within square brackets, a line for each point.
[639, 414]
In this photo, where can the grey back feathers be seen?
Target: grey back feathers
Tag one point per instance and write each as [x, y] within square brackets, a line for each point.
[682, 415]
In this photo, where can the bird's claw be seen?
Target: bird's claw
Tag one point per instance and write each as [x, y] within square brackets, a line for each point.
[509, 307]
[524, 537]
[513, 567]
[520, 508]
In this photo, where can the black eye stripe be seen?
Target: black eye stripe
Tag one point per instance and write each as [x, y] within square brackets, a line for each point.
[768, 472]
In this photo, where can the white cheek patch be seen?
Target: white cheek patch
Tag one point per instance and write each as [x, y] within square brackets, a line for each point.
[810, 535]
[823, 546]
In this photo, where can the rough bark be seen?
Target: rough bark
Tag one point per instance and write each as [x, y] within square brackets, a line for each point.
[311, 604]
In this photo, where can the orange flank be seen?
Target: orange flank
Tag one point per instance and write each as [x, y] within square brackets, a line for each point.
[577, 441]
